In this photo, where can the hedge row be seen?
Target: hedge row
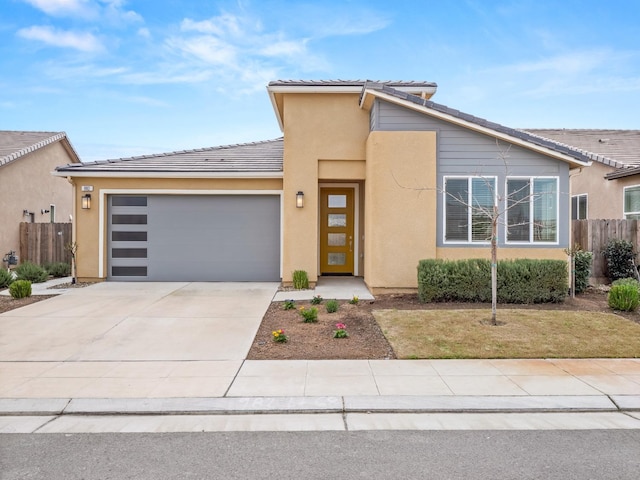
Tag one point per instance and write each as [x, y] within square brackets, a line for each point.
[519, 281]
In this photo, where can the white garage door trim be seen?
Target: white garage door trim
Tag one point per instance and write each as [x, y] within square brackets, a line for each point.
[103, 193]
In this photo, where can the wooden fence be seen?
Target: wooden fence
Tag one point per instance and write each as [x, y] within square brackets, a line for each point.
[45, 242]
[593, 236]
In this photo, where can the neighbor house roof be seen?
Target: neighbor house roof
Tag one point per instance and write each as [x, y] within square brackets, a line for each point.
[520, 137]
[17, 144]
[263, 159]
[618, 149]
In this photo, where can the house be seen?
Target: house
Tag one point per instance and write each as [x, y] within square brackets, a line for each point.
[360, 184]
[610, 188]
[29, 193]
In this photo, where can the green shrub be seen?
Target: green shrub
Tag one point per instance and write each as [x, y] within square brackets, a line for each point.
[519, 281]
[624, 295]
[316, 300]
[583, 261]
[20, 289]
[620, 256]
[309, 315]
[288, 305]
[58, 269]
[332, 306]
[6, 278]
[32, 272]
[300, 280]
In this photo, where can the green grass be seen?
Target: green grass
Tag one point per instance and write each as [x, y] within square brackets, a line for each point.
[521, 334]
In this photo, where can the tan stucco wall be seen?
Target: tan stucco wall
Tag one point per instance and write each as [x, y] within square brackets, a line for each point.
[322, 134]
[400, 198]
[604, 197]
[87, 227]
[27, 184]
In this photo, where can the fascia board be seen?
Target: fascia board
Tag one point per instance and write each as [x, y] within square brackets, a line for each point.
[134, 174]
[479, 128]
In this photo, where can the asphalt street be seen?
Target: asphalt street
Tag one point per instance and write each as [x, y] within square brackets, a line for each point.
[566, 455]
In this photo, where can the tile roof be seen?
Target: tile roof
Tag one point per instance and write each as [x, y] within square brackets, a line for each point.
[518, 134]
[17, 144]
[349, 83]
[263, 157]
[616, 148]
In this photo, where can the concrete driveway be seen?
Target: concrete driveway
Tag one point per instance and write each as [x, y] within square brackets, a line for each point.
[138, 322]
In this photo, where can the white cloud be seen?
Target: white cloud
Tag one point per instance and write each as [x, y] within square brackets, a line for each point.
[85, 42]
[113, 10]
[208, 49]
[81, 8]
[144, 32]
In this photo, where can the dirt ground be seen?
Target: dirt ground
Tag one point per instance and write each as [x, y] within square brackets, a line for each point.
[314, 341]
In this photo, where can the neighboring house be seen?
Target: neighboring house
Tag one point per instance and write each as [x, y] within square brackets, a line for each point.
[355, 187]
[29, 193]
[610, 188]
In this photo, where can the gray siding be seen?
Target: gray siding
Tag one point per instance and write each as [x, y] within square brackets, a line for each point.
[465, 152]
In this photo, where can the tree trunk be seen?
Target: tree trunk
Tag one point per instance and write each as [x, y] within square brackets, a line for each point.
[494, 266]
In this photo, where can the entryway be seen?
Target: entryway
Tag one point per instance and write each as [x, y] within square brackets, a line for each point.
[337, 231]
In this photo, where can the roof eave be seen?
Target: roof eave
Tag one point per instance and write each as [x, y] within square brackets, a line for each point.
[141, 174]
[622, 173]
[369, 94]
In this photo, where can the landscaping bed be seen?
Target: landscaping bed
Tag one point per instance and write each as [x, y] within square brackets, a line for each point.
[311, 341]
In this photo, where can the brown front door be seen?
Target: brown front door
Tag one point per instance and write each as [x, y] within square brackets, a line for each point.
[336, 231]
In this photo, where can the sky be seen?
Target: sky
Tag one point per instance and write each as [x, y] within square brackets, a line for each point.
[135, 77]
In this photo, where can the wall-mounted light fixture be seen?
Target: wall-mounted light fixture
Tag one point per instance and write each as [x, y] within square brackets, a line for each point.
[86, 201]
[26, 213]
[299, 199]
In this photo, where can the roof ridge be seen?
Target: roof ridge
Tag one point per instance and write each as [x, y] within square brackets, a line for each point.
[33, 147]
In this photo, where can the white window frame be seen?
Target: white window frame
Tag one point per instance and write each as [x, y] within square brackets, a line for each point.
[624, 201]
[586, 212]
[469, 179]
[531, 240]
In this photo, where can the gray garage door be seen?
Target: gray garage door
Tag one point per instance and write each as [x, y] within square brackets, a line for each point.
[199, 238]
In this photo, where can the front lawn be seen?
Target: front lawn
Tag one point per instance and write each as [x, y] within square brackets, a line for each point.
[523, 333]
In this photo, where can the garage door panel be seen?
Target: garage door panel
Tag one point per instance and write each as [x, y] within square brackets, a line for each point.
[199, 238]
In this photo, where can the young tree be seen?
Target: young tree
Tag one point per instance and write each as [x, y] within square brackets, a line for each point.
[489, 207]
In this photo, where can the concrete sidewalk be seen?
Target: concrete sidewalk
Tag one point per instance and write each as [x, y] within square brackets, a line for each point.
[319, 386]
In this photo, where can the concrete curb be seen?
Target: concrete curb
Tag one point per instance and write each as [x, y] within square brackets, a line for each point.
[317, 405]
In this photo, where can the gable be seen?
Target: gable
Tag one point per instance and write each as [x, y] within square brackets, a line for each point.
[463, 150]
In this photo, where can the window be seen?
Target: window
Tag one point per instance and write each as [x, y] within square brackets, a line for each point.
[632, 202]
[468, 204]
[579, 207]
[532, 210]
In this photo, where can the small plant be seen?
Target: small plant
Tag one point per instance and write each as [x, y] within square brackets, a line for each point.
[309, 315]
[32, 272]
[316, 300]
[289, 305]
[20, 289]
[624, 295]
[58, 269]
[354, 300]
[6, 278]
[279, 336]
[332, 306]
[340, 331]
[300, 280]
